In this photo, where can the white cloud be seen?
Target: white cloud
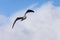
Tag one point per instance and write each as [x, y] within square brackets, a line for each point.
[3, 20]
[44, 24]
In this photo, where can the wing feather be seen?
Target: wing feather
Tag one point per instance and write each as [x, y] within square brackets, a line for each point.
[18, 18]
[29, 10]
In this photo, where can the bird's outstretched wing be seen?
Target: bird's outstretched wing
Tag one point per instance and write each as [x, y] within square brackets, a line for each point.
[29, 10]
[18, 18]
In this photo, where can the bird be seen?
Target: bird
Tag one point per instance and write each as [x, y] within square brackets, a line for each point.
[23, 17]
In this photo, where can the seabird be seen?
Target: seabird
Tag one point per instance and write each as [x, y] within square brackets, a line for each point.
[22, 18]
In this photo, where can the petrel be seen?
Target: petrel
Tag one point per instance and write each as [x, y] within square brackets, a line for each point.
[22, 18]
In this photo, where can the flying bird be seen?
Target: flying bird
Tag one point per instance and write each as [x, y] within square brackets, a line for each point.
[22, 18]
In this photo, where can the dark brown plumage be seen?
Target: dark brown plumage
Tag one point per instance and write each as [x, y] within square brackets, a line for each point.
[22, 18]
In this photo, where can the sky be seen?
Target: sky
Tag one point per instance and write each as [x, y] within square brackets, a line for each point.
[43, 24]
[8, 7]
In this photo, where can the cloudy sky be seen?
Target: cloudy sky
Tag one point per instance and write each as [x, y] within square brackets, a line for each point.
[44, 24]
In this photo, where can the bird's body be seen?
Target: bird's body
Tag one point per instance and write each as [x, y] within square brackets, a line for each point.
[22, 18]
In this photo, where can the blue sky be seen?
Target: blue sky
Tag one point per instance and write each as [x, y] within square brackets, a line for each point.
[7, 7]
[43, 24]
